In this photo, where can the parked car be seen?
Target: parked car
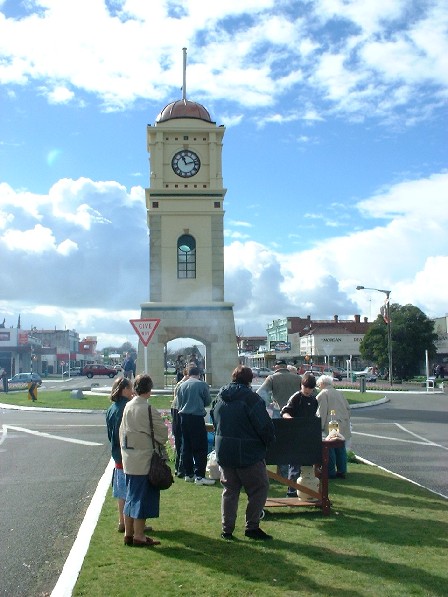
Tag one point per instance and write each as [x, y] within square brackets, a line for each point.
[118, 367]
[25, 378]
[318, 370]
[341, 371]
[334, 372]
[74, 371]
[369, 373]
[261, 371]
[91, 370]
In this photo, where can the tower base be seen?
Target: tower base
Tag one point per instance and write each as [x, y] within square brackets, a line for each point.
[210, 324]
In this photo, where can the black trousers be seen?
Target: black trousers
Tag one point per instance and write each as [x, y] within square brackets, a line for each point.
[194, 445]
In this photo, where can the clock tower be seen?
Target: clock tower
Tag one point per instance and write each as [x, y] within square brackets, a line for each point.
[186, 218]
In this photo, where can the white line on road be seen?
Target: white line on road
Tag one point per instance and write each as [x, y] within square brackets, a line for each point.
[397, 439]
[43, 434]
[420, 437]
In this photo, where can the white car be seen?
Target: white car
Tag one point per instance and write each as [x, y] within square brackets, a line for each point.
[368, 373]
[74, 371]
[261, 371]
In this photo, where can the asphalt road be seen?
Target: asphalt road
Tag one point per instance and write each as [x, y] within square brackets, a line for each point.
[408, 435]
[46, 484]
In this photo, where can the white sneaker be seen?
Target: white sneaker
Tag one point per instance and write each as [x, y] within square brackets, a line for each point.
[204, 481]
[189, 479]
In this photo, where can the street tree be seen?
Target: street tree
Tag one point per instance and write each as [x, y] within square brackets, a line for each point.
[412, 334]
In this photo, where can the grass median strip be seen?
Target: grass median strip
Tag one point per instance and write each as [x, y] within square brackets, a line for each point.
[64, 399]
[384, 536]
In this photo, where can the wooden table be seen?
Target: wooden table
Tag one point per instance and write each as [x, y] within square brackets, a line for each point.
[318, 499]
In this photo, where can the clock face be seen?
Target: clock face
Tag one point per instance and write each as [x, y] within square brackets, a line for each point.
[185, 163]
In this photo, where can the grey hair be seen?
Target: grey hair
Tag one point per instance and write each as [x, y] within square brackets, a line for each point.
[324, 380]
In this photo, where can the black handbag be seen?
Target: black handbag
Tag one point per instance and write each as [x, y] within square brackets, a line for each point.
[160, 475]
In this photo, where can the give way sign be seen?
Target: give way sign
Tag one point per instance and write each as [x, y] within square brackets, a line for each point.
[145, 328]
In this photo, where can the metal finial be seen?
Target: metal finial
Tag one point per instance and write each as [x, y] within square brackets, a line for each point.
[184, 84]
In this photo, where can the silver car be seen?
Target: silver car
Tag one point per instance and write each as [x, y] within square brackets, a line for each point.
[25, 378]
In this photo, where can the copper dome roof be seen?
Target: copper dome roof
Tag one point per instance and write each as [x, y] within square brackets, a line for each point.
[183, 109]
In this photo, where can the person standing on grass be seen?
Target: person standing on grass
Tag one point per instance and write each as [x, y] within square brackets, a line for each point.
[4, 378]
[128, 367]
[277, 388]
[193, 396]
[122, 392]
[142, 499]
[301, 404]
[176, 430]
[330, 399]
[243, 431]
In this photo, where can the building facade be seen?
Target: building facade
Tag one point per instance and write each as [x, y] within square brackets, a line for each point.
[46, 352]
[302, 339]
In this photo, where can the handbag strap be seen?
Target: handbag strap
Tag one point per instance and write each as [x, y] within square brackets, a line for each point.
[151, 426]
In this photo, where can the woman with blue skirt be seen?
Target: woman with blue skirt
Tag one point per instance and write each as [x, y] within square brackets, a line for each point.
[142, 499]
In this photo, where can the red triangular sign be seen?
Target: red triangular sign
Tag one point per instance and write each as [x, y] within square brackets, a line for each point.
[145, 328]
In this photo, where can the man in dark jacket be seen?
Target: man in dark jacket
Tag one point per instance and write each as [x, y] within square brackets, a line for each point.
[243, 430]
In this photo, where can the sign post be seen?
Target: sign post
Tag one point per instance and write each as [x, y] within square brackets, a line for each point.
[145, 329]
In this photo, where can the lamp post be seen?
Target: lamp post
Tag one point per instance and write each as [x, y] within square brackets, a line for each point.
[389, 326]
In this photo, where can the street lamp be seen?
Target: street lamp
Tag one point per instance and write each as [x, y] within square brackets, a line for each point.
[389, 326]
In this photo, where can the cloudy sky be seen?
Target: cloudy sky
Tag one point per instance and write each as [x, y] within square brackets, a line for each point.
[335, 153]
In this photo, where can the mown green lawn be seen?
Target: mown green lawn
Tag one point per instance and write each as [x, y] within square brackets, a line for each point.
[64, 399]
[383, 537]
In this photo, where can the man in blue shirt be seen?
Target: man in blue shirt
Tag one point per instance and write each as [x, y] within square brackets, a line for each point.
[193, 396]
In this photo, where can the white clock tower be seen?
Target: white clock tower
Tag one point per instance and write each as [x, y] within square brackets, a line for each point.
[185, 220]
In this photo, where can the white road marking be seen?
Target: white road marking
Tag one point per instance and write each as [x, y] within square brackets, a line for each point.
[395, 439]
[369, 462]
[43, 434]
[423, 442]
[420, 437]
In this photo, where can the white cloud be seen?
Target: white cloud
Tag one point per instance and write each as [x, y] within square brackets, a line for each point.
[67, 247]
[406, 254]
[350, 54]
[37, 240]
[240, 223]
[59, 95]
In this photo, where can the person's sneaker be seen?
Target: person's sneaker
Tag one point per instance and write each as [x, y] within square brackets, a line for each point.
[257, 534]
[189, 479]
[227, 536]
[204, 481]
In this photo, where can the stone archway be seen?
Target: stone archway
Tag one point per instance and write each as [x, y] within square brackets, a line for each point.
[212, 325]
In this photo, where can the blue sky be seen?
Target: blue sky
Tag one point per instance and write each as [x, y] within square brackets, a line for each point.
[334, 155]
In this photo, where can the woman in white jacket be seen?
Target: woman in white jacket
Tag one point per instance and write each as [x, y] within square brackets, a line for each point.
[142, 499]
[330, 399]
